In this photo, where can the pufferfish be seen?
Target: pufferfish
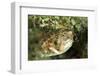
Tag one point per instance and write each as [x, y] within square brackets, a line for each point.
[57, 43]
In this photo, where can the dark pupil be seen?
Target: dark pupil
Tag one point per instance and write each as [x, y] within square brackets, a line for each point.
[55, 43]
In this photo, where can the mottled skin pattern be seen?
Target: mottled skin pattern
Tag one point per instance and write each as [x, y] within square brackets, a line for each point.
[55, 43]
